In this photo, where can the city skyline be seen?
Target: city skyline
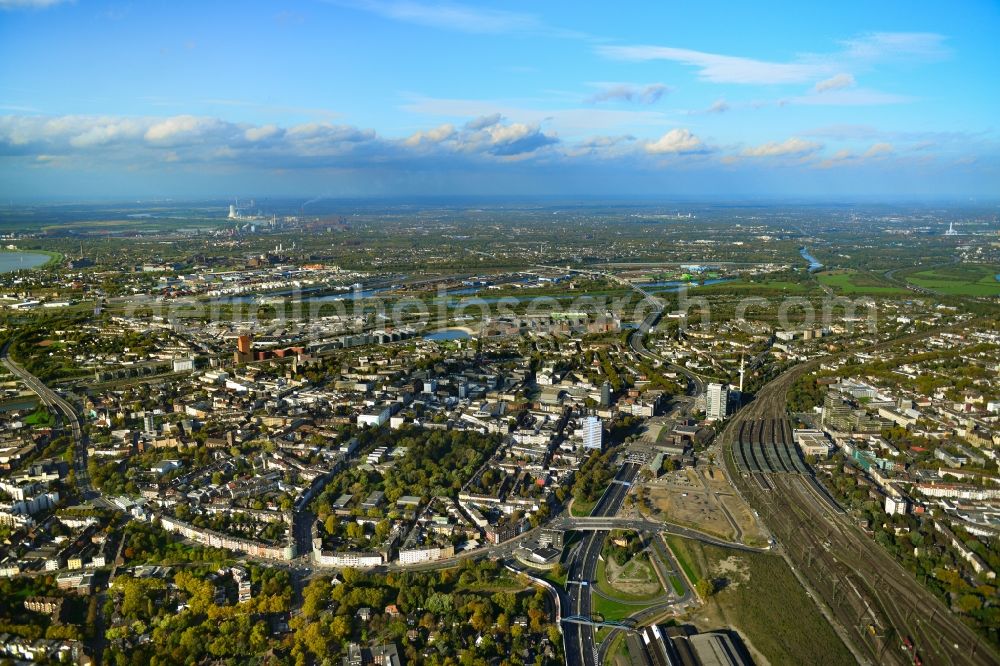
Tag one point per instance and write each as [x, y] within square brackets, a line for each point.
[421, 98]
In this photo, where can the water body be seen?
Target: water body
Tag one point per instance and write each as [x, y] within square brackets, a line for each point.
[997, 276]
[15, 261]
[448, 334]
[814, 265]
[19, 404]
[348, 295]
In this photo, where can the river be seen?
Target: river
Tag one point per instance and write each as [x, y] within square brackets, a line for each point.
[814, 265]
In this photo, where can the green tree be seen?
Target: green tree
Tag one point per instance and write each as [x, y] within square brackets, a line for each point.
[705, 588]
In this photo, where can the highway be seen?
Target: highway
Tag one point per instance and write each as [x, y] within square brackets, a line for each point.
[51, 399]
[601, 523]
[582, 571]
[696, 383]
[659, 555]
[870, 599]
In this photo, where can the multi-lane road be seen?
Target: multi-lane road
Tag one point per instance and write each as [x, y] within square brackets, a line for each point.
[69, 417]
[596, 523]
[582, 572]
[637, 342]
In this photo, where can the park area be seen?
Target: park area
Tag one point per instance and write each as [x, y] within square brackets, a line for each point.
[960, 280]
[633, 581]
[40, 418]
[851, 282]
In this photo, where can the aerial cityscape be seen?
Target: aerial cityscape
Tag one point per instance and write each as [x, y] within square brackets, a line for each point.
[402, 332]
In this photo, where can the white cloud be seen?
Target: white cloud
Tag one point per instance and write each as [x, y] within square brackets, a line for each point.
[896, 46]
[574, 123]
[195, 142]
[434, 135]
[506, 133]
[861, 51]
[482, 122]
[605, 141]
[840, 158]
[720, 68]
[30, 4]
[321, 153]
[105, 132]
[450, 16]
[326, 133]
[676, 141]
[845, 157]
[836, 82]
[487, 134]
[75, 131]
[515, 139]
[261, 133]
[879, 150]
[181, 128]
[793, 147]
[718, 106]
[627, 92]
[187, 138]
[603, 147]
[848, 132]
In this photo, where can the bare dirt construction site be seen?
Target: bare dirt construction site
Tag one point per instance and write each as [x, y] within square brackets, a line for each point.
[703, 499]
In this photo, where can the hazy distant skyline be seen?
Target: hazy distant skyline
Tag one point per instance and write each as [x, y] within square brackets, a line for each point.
[394, 98]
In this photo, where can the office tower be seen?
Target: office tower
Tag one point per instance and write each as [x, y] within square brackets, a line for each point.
[243, 353]
[717, 402]
[592, 433]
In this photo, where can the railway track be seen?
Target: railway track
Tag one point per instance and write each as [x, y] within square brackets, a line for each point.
[766, 446]
[872, 600]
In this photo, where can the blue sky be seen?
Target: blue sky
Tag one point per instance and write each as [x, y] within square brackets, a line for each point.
[400, 97]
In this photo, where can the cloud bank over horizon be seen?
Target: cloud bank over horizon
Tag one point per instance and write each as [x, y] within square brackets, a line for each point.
[367, 96]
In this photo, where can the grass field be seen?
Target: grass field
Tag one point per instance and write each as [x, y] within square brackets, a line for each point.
[612, 610]
[506, 582]
[618, 651]
[640, 571]
[679, 547]
[582, 509]
[40, 418]
[849, 282]
[737, 286]
[763, 600]
[555, 580]
[959, 280]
